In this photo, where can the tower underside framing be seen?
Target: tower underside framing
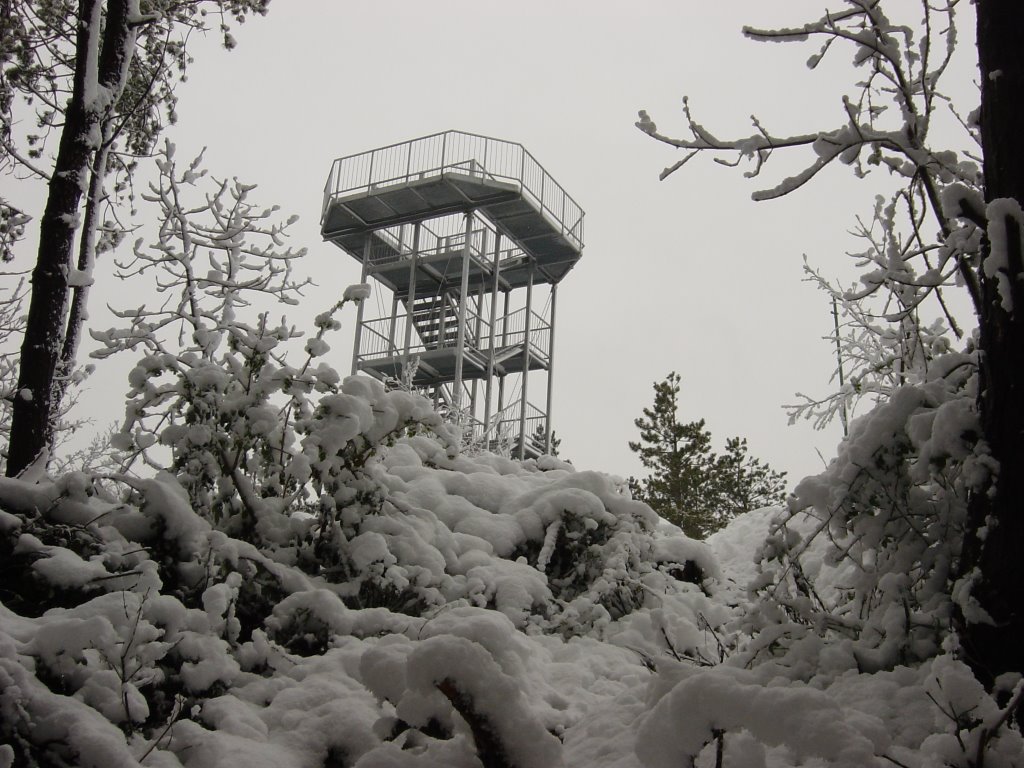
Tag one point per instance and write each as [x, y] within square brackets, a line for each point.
[469, 237]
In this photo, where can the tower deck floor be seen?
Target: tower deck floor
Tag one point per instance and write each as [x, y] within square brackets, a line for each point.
[351, 218]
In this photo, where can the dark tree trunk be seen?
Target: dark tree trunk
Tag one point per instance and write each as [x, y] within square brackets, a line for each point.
[80, 294]
[36, 401]
[997, 648]
[33, 402]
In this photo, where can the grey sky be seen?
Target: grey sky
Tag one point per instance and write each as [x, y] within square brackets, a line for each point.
[686, 274]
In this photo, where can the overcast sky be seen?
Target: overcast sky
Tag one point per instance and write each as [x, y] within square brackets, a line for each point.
[686, 274]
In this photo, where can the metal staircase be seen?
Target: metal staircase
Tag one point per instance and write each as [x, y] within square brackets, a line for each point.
[436, 320]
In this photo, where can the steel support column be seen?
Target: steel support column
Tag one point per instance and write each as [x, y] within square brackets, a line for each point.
[391, 326]
[410, 298]
[504, 343]
[551, 368]
[495, 274]
[476, 345]
[359, 307]
[526, 362]
[460, 344]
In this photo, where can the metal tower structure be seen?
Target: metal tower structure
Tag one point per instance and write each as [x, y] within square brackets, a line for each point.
[470, 237]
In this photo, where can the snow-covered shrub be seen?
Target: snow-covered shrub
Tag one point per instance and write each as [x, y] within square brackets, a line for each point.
[870, 547]
[854, 596]
[845, 651]
[592, 545]
[161, 634]
[505, 731]
[157, 634]
[811, 687]
[254, 440]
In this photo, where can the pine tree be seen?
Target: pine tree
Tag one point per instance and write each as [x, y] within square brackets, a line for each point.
[540, 438]
[689, 484]
[744, 483]
[679, 459]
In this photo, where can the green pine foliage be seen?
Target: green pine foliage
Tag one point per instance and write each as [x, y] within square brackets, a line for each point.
[540, 438]
[689, 484]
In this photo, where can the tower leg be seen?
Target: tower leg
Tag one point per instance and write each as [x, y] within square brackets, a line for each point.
[551, 369]
[473, 410]
[524, 403]
[359, 308]
[495, 274]
[410, 300]
[461, 338]
[391, 326]
[504, 343]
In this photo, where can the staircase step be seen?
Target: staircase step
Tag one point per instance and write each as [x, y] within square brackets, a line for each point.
[446, 328]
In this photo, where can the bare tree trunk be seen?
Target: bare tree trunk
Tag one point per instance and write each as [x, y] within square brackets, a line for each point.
[994, 649]
[77, 311]
[103, 46]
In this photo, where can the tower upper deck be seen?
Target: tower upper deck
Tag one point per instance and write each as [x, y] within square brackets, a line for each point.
[452, 172]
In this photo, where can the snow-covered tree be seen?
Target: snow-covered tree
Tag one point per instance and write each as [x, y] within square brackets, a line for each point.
[883, 337]
[96, 77]
[996, 643]
[963, 229]
[688, 483]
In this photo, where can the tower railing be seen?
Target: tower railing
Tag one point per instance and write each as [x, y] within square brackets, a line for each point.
[502, 433]
[381, 339]
[511, 331]
[446, 235]
[456, 152]
[385, 337]
[391, 247]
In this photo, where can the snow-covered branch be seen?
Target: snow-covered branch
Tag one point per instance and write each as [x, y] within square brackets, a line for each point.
[886, 124]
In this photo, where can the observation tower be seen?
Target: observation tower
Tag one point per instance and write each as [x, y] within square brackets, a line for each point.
[466, 239]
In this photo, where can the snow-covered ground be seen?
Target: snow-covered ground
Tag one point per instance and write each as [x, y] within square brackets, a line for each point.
[486, 612]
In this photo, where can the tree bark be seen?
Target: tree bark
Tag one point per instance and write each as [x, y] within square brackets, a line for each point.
[993, 649]
[103, 47]
[79, 296]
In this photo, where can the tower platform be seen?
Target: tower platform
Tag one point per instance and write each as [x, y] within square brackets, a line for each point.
[455, 172]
